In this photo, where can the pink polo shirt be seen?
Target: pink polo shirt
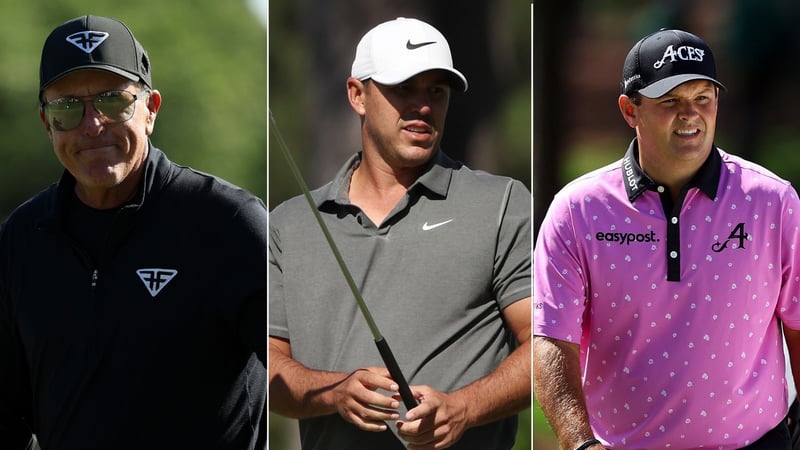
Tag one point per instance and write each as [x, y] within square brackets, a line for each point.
[695, 360]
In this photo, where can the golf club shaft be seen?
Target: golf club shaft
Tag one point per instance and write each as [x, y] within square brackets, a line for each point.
[383, 347]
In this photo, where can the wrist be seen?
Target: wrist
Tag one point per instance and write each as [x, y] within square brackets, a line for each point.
[590, 444]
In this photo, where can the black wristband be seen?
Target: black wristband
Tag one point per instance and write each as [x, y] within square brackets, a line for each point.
[588, 444]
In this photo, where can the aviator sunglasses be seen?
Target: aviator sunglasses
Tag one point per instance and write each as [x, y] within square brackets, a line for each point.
[66, 113]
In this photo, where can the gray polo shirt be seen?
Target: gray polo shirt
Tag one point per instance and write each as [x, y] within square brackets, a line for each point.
[436, 274]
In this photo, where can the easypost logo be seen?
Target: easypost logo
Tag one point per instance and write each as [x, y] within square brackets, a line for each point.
[627, 238]
[684, 53]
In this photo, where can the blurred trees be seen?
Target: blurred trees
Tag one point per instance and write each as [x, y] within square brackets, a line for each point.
[209, 63]
[579, 49]
[311, 49]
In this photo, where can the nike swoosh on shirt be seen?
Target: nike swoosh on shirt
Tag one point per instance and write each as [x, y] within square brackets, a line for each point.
[426, 227]
[411, 46]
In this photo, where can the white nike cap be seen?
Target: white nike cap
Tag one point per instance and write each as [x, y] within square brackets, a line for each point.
[396, 50]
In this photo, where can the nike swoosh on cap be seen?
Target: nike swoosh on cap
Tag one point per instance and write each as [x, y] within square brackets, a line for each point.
[426, 227]
[411, 46]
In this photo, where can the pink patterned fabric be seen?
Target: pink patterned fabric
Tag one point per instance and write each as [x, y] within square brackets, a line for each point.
[674, 364]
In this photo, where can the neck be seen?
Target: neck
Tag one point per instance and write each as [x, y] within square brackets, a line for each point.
[109, 198]
[674, 174]
[376, 188]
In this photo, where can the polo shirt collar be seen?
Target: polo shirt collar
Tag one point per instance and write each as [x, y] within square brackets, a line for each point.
[435, 179]
[636, 181]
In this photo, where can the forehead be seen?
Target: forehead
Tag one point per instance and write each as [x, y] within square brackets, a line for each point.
[86, 82]
[690, 88]
[431, 77]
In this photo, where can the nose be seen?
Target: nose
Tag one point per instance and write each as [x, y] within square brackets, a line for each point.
[93, 121]
[687, 110]
[424, 109]
[422, 103]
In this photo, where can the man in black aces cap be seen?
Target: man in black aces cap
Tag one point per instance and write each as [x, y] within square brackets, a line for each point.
[666, 282]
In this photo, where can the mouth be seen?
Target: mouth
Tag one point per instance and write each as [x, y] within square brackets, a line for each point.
[690, 132]
[96, 152]
[418, 127]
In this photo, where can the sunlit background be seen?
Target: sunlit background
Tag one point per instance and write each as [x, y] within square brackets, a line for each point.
[209, 63]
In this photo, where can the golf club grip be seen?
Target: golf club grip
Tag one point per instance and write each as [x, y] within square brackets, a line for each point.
[397, 375]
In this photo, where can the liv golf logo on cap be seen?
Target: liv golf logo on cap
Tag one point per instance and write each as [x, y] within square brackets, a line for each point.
[87, 40]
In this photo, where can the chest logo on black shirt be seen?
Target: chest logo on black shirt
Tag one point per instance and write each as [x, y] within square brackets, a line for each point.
[738, 234]
[156, 279]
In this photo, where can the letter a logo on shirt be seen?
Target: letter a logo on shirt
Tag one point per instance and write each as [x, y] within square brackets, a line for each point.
[156, 279]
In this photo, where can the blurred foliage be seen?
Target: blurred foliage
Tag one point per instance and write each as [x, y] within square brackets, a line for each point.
[543, 435]
[293, 98]
[209, 63]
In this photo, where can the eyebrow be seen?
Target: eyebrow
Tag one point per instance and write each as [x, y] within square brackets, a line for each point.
[705, 91]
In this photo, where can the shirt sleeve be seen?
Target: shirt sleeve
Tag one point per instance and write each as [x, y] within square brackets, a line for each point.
[512, 281]
[788, 308]
[246, 253]
[559, 287]
[278, 325]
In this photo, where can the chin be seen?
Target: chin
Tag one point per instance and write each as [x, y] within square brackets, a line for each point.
[418, 156]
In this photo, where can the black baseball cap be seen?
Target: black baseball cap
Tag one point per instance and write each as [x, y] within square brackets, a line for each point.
[661, 61]
[93, 42]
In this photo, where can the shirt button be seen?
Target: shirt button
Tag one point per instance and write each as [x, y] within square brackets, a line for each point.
[673, 254]
[660, 189]
[674, 220]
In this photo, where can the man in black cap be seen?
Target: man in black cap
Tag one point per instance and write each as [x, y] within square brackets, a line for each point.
[133, 291]
[663, 280]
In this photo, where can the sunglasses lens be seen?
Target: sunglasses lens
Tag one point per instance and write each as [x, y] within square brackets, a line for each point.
[67, 113]
[117, 106]
[64, 114]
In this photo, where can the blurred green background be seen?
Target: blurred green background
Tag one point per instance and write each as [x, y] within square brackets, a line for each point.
[579, 50]
[209, 63]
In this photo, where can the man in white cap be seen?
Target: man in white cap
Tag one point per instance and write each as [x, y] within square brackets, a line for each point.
[440, 253]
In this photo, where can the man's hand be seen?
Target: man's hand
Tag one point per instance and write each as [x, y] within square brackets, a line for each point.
[359, 403]
[437, 422]
[302, 393]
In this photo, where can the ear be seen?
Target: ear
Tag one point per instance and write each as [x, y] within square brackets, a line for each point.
[356, 93]
[153, 105]
[628, 109]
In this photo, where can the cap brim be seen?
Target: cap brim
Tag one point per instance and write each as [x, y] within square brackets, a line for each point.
[391, 78]
[103, 67]
[661, 87]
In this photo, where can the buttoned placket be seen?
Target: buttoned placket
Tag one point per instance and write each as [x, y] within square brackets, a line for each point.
[672, 212]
